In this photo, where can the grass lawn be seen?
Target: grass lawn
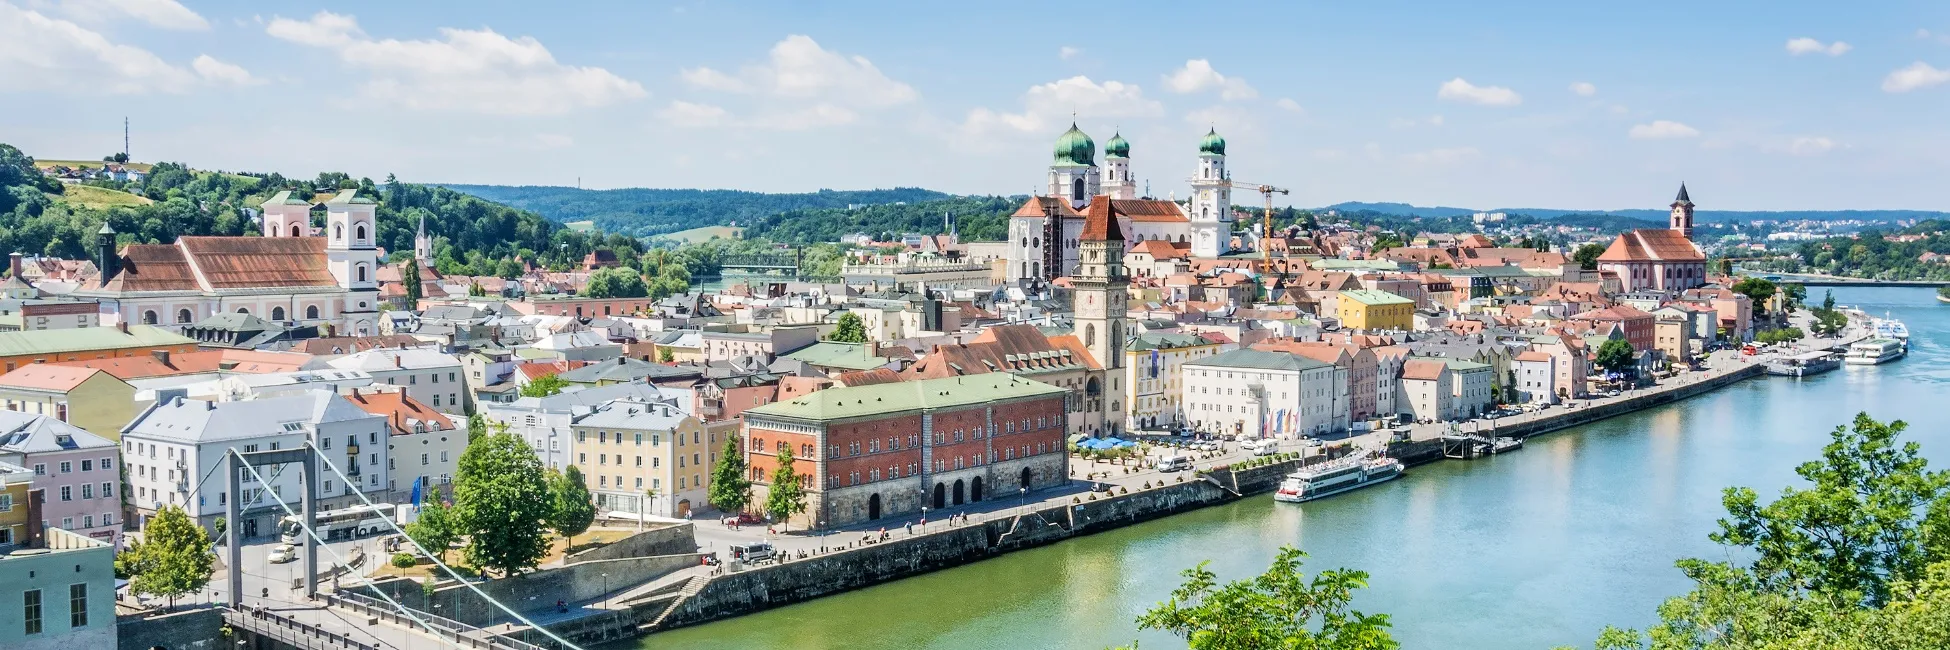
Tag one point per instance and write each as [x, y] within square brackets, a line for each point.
[591, 538]
[98, 198]
[580, 226]
[696, 235]
[86, 164]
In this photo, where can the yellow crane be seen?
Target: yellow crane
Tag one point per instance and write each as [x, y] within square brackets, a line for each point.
[1266, 220]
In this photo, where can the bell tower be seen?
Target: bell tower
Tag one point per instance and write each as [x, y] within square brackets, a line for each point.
[1211, 211]
[1682, 213]
[350, 232]
[1102, 291]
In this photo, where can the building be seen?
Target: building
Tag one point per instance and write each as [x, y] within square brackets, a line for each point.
[49, 346]
[288, 275]
[76, 472]
[85, 397]
[623, 370]
[1638, 326]
[1570, 362]
[430, 376]
[1475, 388]
[867, 452]
[1658, 260]
[725, 342]
[1428, 390]
[173, 449]
[1536, 378]
[1154, 369]
[1367, 309]
[423, 446]
[59, 596]
[646, 458]
[20, 508]
[1025, 351]
[28, 315]
[1098, 299]
[547, 423]
[1257, 394]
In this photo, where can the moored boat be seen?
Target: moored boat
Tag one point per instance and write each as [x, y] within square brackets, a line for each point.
[1337, 476]
[1876, 351]
[1813, 362]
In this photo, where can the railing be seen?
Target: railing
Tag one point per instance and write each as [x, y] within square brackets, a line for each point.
[292, 632]
[449, 630]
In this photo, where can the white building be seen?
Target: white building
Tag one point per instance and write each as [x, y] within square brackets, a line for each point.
[173, 451]
[546, 423]
[1255, 394]
[1474, 384]
[429, 375]
[425, 446]
[1536, 377]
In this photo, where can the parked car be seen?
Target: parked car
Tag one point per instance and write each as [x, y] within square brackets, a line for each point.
[1100, 487]
[283, 553]
[1174, 463]
[753, 552]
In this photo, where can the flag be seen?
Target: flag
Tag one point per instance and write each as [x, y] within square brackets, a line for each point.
[416, 491]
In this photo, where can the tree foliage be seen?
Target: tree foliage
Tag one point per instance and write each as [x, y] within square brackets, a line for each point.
[573, 509]
[731, 489]
[1616, 355]
[786, 496]
[1759, 290]
[616, 282]
[409, 278]
[850, 329]
[436, 529]
[174, 557]
[501, 501]
[1587, 256]
[1278, 610]
[544, 386]
[644, 212]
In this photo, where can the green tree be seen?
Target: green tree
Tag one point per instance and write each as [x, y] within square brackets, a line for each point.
[436, 529]
[173, 559]
[409, 275]
[731, 489]
[1759, 290]
[665, 355]
[1587, 256]
[850, 329]
[476, 427]
[1616, 356]
[616, 282]
[574, 510]
[787, 497]
[1279, 610]
[501, 501]
[544, 386]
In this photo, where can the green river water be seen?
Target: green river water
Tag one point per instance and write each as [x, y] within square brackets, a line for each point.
[1529, 550]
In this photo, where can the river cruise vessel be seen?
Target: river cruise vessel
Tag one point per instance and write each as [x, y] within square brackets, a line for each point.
[1876, 351]
[1803, 364]
[1337, 476]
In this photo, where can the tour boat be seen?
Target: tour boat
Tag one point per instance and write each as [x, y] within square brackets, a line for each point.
[1337, 476]
[1875, 351]
[1890, 328]
[1813, 362]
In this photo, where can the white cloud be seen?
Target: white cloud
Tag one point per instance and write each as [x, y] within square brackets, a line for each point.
[1067, 52]
[1805, 45]
[477, 71]
[165, 14]
[1412, 122]
[1447, 156]
[216, 71]
[800, 68]
[1584, 89]
[1462, 91]
[1198, 75]
[1045, 106]
[689, 115]
[1810, 145]
[1287, 104]
[1917, 75]
[37, 51]
[1662, 130]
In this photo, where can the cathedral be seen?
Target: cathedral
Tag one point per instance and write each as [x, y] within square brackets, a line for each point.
[1046, 233]
[294, 274]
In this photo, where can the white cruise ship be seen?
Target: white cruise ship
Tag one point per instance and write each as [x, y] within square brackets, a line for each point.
[1337, 476]
[1876, 351]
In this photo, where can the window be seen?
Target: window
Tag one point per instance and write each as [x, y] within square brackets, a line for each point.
[87, 491]
[78, 605]
[69, 467]
[311, 312]
[40, 469]
[108, 464]
[183, 316]
[31, 611]
[67, 493]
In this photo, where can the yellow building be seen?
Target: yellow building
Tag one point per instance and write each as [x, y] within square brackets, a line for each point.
[14, 511]
[89, 398]
[647, 459]
[1367, 309]
[1151, 369]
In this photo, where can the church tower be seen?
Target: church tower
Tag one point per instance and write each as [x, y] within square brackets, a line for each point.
[1682, 213]
[422, 244]
[350, 252]
[1073, 175]
[1211, 199]
[1100, 296]
[286, 216]
[1117, 169]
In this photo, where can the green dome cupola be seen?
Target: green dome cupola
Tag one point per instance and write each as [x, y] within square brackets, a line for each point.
[1213, 143]
[1117, 147]
[1075, 148]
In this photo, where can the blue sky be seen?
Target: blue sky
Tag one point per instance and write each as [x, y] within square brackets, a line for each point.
[1757, 105]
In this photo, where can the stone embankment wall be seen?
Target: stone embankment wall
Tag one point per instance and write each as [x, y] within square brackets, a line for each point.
[671, 539]
[189, 629]
[537, 591]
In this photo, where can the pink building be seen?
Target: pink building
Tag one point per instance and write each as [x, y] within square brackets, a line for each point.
[74, 469]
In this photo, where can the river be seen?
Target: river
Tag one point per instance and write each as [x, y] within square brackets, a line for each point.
[1528, 550]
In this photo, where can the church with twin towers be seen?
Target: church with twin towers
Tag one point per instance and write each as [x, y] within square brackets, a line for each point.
[1045, 233]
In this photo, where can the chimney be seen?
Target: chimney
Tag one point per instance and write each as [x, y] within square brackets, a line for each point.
[13, 265]
[397, 363]
[160, 355]
[124, 326]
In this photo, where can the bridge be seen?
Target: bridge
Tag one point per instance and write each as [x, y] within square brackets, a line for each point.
[1809, 280]
[763, 263]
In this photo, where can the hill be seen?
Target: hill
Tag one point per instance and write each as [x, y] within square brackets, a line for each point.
[644, 211]
[1657, 216]
[99, 198]
[706, 233]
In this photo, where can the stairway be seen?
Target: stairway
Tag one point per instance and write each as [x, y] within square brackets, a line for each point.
[693, 587]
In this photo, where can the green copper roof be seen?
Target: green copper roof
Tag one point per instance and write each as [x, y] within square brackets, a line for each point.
[1075, 148]
[1118, 147]
[87, 339]
[350, 197]
[881, 399]
[1212, 144]
[285, 198]
[833, 354]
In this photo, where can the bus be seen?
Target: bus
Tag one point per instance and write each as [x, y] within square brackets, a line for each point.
[344, 523]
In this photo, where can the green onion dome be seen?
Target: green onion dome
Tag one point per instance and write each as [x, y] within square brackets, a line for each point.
[1075, 148]
[1117, 147]
[1212, 144]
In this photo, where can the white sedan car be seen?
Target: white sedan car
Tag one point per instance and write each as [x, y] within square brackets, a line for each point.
[283, 553]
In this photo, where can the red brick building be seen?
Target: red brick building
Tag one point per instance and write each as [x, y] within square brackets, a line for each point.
[868, 452]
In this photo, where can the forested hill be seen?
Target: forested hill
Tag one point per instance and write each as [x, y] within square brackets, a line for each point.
[472, 236]
[1702, 216]
[644, 212]
[977, 218]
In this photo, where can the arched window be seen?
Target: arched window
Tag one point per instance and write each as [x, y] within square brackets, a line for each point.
[1076, 189]
[277, 313]
[183, 316]
[338, 232]
[359, 232]
[149, 317]
[1089, 335]
[275, 230]
[297, 230]
[359, 273]
[1035, 242]
[311, 312]
[244, 310]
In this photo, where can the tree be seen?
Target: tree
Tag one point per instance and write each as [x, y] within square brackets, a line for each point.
[476, 427]
[501, 501]
[1280, 609]
[1759, 290]
[850, 329]
[1587, 256]
[615, 282]
[1616, 356]
[436, 529]
[573, 509]
[731, 489]
[544, 386]
[786, 496]
[665, 355]
[173, 559]
[409, 275]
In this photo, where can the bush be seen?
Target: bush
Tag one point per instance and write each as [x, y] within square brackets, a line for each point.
[404, 560]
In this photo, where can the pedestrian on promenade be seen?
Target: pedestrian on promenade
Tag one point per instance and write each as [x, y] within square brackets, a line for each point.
[910, 528]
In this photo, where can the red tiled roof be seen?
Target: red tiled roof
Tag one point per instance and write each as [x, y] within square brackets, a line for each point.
[1425, 369]
[248, 262]
[1652, 245]
[50, 377]
[1148, 210]
[1034, 207]
[1163, 250]
[398, 408]
[1100, 221]
[1532, 355]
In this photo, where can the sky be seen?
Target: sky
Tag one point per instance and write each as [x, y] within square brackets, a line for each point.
[1755, 105]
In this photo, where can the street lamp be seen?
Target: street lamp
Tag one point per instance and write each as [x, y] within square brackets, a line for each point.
[1022, 494]
[924, 517]
[605, 584]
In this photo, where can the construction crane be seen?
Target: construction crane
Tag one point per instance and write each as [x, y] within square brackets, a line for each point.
[1266, 220]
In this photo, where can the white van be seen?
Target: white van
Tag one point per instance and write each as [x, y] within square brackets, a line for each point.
[1174, 463]
[1266, 447]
